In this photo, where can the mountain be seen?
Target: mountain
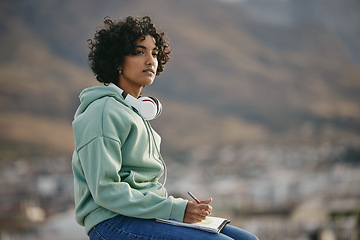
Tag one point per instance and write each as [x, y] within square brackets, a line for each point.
[231, 79]
[340, 17]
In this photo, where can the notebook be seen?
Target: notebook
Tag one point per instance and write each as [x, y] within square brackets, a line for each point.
[210, 224]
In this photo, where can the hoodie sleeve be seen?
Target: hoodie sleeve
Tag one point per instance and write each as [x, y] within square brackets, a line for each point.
[101, 163]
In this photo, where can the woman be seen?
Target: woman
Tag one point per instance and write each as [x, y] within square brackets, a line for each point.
[117, 162]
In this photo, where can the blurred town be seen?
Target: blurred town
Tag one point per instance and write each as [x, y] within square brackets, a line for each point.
[275, 191]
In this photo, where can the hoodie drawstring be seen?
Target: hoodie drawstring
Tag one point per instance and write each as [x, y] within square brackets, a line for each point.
[150, 132]
[160, 156]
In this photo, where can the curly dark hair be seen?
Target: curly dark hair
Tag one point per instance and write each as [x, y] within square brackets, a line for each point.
[116, 40]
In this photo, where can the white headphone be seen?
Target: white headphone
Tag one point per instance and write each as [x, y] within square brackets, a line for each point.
[148, 107]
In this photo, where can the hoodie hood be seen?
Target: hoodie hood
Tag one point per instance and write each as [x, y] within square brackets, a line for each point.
[89, 95]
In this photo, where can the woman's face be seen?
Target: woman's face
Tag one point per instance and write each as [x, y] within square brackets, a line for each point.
[140, 69]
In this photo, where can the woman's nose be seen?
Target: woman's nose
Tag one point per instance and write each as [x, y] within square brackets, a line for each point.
[150, 60]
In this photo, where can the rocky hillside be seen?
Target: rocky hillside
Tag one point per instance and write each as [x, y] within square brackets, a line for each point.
[232, 78]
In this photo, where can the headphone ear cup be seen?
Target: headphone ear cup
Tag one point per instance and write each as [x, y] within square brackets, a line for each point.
[158, 106]
[150, 107]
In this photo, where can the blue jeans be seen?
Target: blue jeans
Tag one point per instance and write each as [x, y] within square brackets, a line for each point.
[122, 227]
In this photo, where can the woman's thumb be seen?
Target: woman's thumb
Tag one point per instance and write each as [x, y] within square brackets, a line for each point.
[207, 201]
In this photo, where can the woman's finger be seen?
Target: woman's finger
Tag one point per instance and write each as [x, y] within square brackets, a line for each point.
[207, 201]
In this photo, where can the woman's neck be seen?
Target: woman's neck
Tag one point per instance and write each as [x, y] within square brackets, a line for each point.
[129, 89]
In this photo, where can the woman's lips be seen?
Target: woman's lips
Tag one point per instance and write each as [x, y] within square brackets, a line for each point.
[149, 71]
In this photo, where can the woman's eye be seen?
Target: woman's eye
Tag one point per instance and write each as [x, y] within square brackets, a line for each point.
[155, 53]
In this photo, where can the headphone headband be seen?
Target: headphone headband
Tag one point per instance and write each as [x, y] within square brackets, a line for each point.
[148, 107]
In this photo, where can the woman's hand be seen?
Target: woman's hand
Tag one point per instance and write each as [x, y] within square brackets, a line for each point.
[196, 212]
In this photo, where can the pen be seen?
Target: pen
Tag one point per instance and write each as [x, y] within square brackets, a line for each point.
[196, 200]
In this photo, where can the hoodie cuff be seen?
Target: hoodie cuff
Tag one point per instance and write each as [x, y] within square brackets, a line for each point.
[178, 209]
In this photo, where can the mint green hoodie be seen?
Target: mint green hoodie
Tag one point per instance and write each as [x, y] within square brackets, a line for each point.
[116, 162]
